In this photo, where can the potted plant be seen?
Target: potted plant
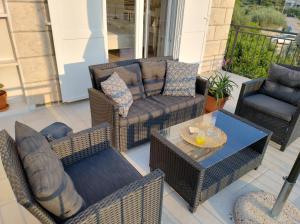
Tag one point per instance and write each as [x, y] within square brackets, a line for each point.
[3, 98]
[220, 89]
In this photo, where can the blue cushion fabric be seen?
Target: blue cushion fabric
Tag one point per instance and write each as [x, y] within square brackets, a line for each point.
[180, 79]
[102, 174]
[153, 74]
[130, 74]
[271, 106]
[51, 186]
[56, 130]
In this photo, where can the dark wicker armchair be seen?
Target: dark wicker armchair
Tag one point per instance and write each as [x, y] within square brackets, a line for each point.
[272, 111]
[138, 201]
[145, 115]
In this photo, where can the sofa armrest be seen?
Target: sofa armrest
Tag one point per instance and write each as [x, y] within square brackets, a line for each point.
[83, 144]
[138, 202]
[251, 87]
[104, 109]
[202, 86]
[294, 127]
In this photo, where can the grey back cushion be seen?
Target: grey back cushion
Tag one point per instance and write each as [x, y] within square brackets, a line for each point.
[284, 76]
[153, 74]
[50, 184]
[131, 75]
[283, 84]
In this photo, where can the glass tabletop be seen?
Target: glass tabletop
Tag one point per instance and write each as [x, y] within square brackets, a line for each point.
[239, 136]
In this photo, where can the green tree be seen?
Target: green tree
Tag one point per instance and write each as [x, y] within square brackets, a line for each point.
[254, 53]
[268, 17]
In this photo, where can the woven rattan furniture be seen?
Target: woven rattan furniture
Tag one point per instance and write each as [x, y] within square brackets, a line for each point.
[145, 115]
[137, 202]
[198, 174]
[278, 116]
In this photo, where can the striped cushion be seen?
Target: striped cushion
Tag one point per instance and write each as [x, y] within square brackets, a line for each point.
[131, 74]
[180, 79]
[50, 184]
[153, 74]
[115, 88]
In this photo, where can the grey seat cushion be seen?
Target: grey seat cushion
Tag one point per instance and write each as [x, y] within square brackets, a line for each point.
[153, 74]
[102, 174]
[50, 184]
[56, 130]
[155, 106]
[131, 74]
[141, 111]
[174, 103]
[283, 84]
[271, 106]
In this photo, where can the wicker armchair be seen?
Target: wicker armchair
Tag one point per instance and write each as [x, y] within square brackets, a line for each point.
[278, 116]
[137, 202]
[137, 131]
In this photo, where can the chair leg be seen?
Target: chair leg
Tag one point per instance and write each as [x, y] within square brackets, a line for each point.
[282, 147]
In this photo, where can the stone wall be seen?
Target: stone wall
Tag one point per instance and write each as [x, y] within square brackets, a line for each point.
[35, 52]
[217, 35]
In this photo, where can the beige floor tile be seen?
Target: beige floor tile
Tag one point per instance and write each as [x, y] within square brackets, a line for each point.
[204, 215]
[29, 218]
[174, 206]
[6, 193]
[2, 172]
[11, 214]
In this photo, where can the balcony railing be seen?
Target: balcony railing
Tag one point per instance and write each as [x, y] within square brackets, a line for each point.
[251, 50]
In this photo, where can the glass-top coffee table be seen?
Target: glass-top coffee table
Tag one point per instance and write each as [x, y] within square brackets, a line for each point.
[198, 173]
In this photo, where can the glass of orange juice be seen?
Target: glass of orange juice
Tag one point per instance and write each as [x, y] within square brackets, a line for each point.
[200, 138]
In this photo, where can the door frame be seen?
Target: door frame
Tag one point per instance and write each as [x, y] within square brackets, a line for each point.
[171, 27]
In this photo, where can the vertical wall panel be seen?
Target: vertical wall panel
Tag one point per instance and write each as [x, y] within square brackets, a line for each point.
[194, 29]
[9, 76]
[2, 11]
[6, 51]
[79, 40]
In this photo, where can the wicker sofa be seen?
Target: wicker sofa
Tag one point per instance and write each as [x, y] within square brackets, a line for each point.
[146, 114]
[123, 197]
[274, 114]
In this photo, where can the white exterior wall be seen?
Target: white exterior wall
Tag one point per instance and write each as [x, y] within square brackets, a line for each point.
[194, 29]
[79, 33]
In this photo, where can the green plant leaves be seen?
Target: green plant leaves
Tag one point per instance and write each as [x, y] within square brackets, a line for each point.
[220, 85]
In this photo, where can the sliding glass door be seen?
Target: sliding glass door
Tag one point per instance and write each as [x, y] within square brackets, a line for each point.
[120, 29]
[138, 28]
[155, 27]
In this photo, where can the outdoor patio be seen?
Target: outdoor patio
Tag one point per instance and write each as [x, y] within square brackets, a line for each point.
[217, 209]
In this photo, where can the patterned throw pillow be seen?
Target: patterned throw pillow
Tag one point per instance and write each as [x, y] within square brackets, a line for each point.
[180, 79]
[50, 184]
[115, 88]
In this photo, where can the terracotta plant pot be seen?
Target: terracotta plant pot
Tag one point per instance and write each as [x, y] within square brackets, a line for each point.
[213, 105]
[3, 101]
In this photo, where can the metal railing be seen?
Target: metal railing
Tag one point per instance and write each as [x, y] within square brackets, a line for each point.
[251, 50]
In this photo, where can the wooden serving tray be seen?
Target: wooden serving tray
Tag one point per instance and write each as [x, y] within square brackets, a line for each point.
[211, 142]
